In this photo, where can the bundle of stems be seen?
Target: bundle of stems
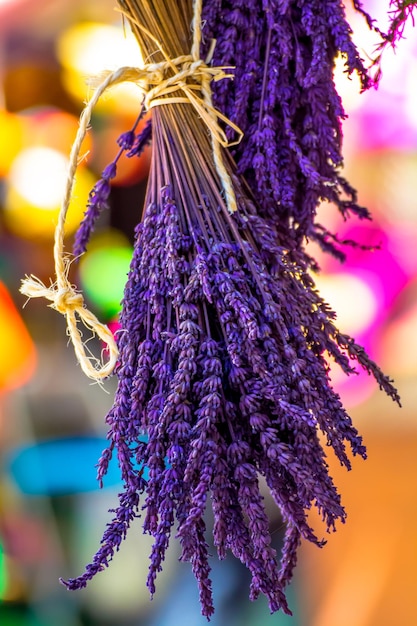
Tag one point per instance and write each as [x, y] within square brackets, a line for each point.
[223, 372]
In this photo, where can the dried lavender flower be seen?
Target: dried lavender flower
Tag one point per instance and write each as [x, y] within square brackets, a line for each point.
[131, 144]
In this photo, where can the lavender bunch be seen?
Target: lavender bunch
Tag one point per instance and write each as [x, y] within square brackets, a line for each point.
[284, 99]
[223, 373]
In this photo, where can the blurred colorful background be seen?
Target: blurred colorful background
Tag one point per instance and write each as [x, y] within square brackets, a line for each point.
[52, 427]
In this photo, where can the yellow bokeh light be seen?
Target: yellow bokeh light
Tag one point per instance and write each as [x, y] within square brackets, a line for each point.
[348, 87]
[91, 47]
[38, 174]
[87, 50]
[34, 192]
[11, 139]
[399, 344]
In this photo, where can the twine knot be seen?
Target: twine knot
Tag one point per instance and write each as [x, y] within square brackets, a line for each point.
[191, 76]
[69, 302]
[183, 79]
[67, 299]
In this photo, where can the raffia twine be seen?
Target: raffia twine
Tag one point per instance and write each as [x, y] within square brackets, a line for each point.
[192, 77]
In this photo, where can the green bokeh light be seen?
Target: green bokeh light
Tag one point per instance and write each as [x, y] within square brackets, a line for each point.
[3, 573]
[103, 273]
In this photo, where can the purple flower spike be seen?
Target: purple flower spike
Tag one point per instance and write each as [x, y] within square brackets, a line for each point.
[141, 140]
[109, 172]
[97, 202]
[99, 199]
[126, 140]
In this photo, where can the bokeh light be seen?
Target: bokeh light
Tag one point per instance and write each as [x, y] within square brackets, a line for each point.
[399, 343]
[357, 300]
[35, 188]
[87, 50]
[103, 271]
[18, 354]
[11, 139]
[38, 469]
[53, 128]
[38, 175]
[3, 572]
[352, 298]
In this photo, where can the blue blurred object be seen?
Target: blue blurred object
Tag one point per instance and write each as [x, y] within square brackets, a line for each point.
[60, 466]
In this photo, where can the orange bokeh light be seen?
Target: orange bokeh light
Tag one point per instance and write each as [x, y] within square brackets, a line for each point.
[18, 361]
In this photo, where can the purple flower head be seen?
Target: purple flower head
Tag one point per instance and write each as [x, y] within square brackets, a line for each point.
[126, 140]
[130, 143]
[109, 172]
[141, 140]
[97, 202]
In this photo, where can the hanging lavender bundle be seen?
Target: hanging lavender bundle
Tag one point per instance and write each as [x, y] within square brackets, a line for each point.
[222, 372]
[284, 99]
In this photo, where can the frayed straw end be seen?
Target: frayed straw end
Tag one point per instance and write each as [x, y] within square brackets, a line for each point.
[32, 287]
